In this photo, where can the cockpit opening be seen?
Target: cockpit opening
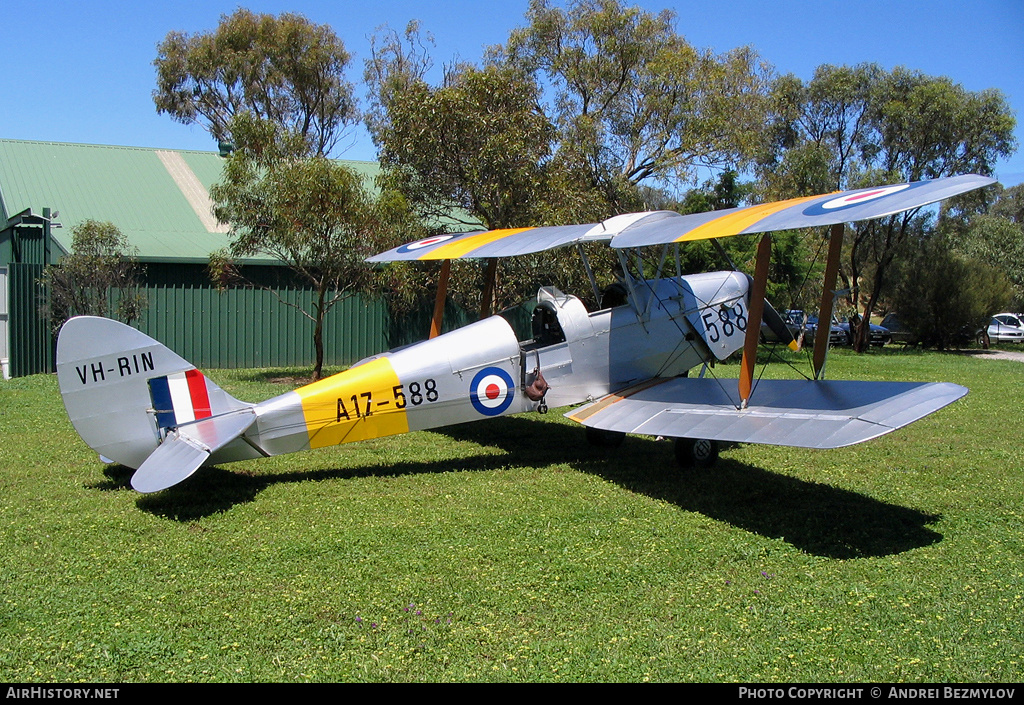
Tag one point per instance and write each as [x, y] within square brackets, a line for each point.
[546, 328]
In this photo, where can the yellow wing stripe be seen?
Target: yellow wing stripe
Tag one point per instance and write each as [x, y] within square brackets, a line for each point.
[460, 246]
[600, 405]
[738, 221]
[354, 405]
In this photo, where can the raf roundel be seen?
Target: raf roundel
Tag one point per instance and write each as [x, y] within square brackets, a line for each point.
[855, 199]
[492, 391]
[420, 244]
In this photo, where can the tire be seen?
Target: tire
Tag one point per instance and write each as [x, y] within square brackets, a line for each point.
[696, 452]
[604, 439]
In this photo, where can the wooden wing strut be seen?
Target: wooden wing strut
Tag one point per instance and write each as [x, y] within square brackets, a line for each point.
[490, 277]
[757, 292]
[835, 248]
[442, 293]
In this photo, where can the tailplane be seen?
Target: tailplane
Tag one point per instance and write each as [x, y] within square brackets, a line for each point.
[137, 403]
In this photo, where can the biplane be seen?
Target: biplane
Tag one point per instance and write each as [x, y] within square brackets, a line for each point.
[624, 369]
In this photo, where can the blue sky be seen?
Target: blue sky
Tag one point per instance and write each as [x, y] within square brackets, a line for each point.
[82, 71]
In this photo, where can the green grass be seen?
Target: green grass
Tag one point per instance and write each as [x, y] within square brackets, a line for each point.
[510, 550]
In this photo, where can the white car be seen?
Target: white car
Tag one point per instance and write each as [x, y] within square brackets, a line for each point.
[1010, 319]
[1006, 328]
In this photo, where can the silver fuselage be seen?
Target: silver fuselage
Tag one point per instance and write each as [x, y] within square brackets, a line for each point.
[481, 370]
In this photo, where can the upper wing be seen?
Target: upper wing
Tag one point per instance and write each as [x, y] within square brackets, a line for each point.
[515, 241]
[810, 211]
[666, 227]
[802, 413]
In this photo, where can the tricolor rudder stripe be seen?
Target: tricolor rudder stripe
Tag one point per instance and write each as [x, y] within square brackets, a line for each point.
[179, 398]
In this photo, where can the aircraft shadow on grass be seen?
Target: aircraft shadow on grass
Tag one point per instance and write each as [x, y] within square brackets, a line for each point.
[817, 518]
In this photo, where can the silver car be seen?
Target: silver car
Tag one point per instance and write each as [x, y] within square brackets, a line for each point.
[1005, 328]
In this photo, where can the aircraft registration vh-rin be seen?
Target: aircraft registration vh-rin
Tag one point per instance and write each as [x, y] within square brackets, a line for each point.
[624, 367]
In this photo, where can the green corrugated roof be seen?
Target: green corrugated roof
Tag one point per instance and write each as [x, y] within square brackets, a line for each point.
[141, 191]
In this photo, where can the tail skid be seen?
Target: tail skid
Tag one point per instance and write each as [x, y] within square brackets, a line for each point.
[137, 403]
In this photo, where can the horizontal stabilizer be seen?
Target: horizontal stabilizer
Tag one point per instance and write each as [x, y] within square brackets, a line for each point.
[184, 450]
[173, 461]
[801, 413]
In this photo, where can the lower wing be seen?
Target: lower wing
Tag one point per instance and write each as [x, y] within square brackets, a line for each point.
[801, 413]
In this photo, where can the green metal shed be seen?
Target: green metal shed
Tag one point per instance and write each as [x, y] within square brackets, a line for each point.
[159, 199]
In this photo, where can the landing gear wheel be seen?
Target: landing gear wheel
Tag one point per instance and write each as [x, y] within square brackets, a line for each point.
[604, 439]
[696, 452]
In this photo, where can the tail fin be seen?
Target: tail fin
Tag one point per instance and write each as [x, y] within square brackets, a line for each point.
[126, 394]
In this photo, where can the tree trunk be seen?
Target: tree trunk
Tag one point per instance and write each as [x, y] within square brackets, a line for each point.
[318, 336]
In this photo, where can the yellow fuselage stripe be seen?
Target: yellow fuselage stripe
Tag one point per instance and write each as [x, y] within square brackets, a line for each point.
[463, 245]
[354, 405]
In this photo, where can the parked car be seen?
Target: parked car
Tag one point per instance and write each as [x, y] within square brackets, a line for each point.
[1000, 330]
[799, 323]
[1010, 319]
[768, 335]
[897, 331]
[836, 336]
[878, 335]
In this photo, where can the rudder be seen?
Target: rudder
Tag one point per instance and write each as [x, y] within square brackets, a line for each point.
[122, 389]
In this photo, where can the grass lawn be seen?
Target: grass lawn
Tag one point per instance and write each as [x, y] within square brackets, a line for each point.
[510, 550]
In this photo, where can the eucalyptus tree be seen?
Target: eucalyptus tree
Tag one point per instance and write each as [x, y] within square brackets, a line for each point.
[564, 123]
[101, 276]
[473, 150]
[275, 87]
[633, 101]
[285, 69]
[309, 212]
[861, 126]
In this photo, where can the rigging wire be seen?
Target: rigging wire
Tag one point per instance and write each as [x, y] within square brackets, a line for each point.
[642, 259]
[657, 263]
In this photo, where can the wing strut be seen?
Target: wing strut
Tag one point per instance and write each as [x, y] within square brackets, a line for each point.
[442, 293]
[487, 300]
[835, 248]
[757, 291]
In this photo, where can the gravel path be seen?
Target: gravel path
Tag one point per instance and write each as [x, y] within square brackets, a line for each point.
[997, 354]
